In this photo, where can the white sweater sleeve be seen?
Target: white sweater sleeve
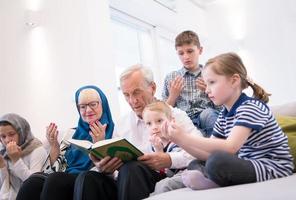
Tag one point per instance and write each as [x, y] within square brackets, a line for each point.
[30, 164]
[3, 175]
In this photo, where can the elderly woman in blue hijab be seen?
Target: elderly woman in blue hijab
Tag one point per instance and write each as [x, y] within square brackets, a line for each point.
[20, 156]
[95, 123]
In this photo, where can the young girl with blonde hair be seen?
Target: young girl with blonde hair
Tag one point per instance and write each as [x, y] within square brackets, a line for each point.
[247, 144]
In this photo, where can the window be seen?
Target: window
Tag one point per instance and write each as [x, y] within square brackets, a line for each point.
[135, 41]
[133, 44]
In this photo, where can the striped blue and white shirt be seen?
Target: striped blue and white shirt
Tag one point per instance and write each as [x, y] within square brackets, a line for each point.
[267, 146]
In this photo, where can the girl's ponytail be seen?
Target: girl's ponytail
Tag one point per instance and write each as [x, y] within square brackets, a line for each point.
[258, 91]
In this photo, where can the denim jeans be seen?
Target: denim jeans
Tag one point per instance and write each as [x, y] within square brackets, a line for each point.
[205, 121]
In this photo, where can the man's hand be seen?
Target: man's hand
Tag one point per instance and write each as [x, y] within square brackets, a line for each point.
[13, 151]
[156, 161]
[200, 84]
[106, 165]
[52, 138]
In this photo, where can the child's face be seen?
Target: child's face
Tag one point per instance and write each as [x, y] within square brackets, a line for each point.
[154, 121]
[8, 134]
[189, 56]
[220, 89]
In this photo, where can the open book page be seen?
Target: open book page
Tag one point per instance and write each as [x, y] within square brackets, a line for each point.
[115, 147]
[81, 143]
[106, 142]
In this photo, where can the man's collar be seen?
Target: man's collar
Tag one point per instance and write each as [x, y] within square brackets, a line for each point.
[137, 118]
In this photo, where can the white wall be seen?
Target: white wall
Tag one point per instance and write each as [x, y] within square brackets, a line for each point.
[42, 67]
[263, 33]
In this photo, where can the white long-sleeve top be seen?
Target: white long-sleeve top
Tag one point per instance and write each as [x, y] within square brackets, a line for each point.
[20, 170]
[134, 130]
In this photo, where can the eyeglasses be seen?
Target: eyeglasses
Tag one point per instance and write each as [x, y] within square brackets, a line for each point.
[93, 105]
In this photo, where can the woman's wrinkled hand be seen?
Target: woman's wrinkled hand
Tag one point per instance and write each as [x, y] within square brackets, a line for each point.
[52, 135]
[97, 131]
[52, 138]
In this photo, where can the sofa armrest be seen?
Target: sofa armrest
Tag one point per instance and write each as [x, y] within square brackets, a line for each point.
[288, 109]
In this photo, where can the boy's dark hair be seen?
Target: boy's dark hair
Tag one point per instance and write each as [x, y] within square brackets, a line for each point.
[187, 37]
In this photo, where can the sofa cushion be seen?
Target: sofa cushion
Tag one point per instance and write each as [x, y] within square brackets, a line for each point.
[288, 124]
[288, 109]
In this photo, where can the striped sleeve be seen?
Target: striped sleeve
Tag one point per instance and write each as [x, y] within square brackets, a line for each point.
[253, 114]
[218, 130]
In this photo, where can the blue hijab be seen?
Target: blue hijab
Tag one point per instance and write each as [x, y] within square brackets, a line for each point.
[77, 160]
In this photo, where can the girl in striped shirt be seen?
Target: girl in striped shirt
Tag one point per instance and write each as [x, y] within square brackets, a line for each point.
[247, 144]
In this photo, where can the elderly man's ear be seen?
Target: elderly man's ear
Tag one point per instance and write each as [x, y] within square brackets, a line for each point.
[153, 86]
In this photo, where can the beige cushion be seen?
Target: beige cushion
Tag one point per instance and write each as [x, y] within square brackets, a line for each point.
[288, 109]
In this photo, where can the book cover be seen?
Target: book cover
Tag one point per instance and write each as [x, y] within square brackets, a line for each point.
[115, 147]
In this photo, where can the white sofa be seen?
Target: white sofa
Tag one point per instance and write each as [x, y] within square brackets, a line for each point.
[282, 189]
[278, 189]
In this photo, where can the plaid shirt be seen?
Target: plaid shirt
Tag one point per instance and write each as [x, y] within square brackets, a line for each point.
[191, 99]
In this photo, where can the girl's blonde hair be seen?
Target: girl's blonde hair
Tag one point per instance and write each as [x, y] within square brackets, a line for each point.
[159, 106]
[229, 64]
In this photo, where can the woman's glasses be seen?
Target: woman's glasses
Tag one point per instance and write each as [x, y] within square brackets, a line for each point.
[83, 106]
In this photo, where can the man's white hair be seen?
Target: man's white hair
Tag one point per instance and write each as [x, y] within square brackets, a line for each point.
[146, 72]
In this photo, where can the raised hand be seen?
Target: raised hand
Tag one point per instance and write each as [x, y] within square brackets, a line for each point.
[176, 86]
[200, 84]
[156, 143]
[170, 130]
[13, 151]
[97, 131]
[52, 135]
[52, 138]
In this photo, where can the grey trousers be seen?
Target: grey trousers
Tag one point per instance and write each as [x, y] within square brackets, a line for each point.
[168, 184]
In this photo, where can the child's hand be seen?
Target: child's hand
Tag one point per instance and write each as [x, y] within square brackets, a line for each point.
[171, 130]
[176, 86]
[200, 84]
[156, 143]
[97, 131]
[13, 151]
[164, 130]
[2, 162]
